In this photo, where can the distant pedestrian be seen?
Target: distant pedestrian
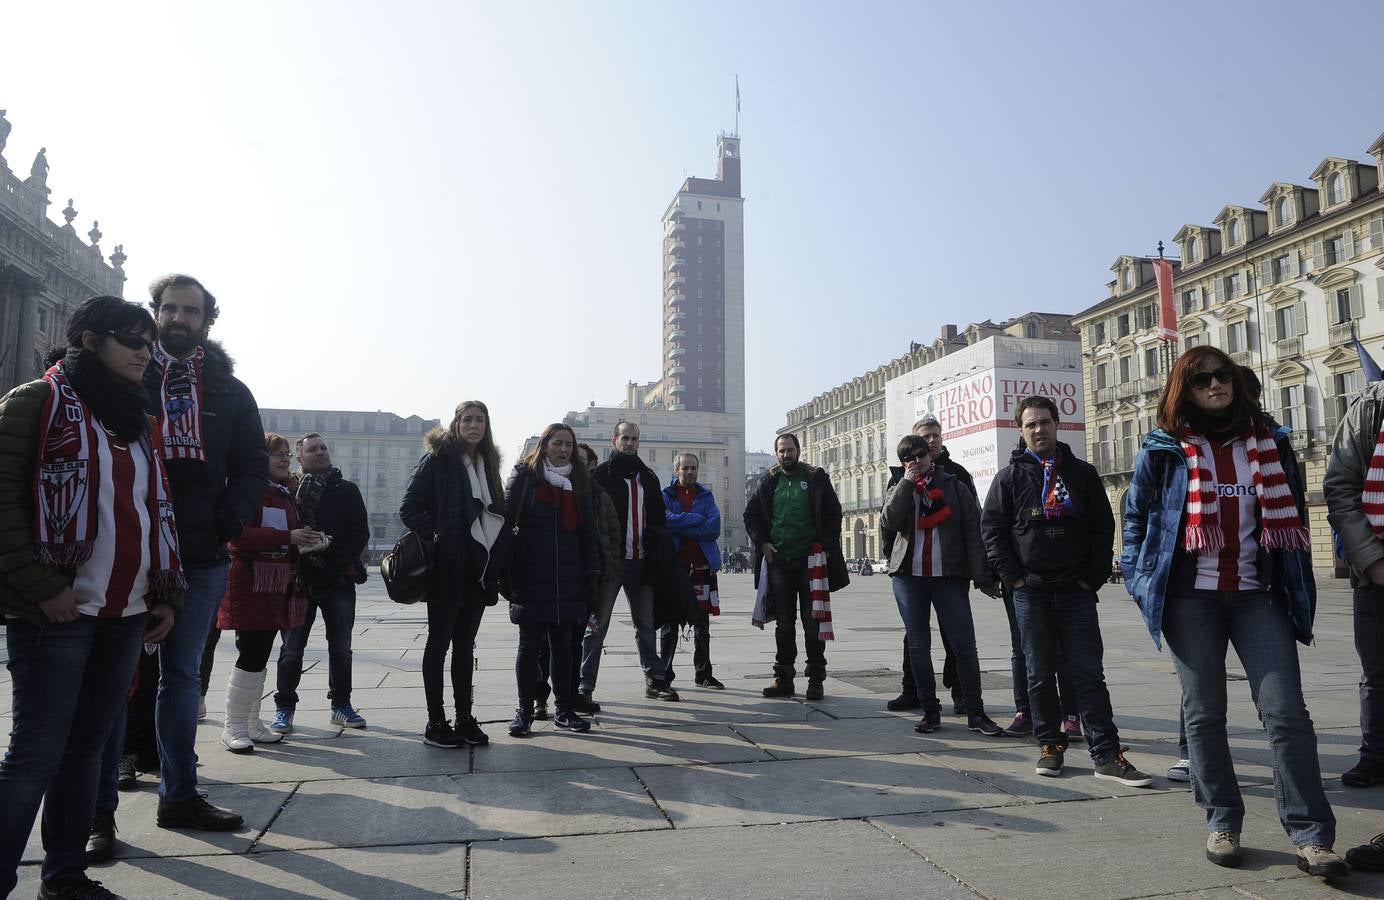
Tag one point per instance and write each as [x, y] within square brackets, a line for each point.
[555, 570]
[694, 524]
[332, 505]
[793, 520]
[455, 499]
[263, 597]
[936, 553]
[1216, 553]
[1050, 534]
[91, 574]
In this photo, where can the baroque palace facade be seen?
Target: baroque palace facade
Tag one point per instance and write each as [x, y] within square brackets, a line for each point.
[1282, 288]
[46, 270]
[846, 431]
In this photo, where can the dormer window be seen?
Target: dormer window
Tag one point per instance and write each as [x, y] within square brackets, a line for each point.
[1234, 232]
[1192, 249]
[1336, 189]
[1129, 279]
[1285, 215]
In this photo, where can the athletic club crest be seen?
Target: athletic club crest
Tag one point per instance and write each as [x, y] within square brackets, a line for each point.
[62, 488]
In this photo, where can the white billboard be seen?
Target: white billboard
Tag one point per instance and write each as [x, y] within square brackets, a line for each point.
[977, 415]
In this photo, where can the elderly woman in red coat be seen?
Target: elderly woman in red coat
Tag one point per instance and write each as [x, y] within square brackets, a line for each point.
[263, 597]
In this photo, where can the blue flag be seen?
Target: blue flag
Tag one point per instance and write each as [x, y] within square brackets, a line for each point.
[1367, 363]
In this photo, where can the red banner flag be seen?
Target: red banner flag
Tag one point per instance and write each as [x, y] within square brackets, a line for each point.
[1167, 312]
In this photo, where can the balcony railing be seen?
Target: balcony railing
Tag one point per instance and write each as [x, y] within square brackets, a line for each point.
[1151, 384]
[1126, 389]
[1105, 395]
[1341, 333]
[1284, 348]
[1242, 358]
[676, 316]
[676, 369]
[676, 281]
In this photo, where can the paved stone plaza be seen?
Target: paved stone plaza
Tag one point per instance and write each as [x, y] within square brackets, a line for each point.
[727, 794]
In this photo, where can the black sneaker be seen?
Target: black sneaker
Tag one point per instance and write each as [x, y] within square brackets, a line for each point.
[540, 711]
[1368, 857]
[82, 889]
[984, 725]
[710, 682]
[958, 709]
[1365, 773]
[903, 702]
[196, 813]
[469, 730]
[585, 705]
[666, 692]
[571, 721]
[521, 725]
[128, 778]
[930, 722]
[440, 734]
[101, 844]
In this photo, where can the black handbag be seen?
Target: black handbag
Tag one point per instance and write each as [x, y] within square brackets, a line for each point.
[407, 570]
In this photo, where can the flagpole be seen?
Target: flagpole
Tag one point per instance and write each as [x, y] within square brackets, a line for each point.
[737, 105]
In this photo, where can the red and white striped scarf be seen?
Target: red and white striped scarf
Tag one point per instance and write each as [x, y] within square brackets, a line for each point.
[67, 485]
[1281, 527]
[1372, 500]
[819, 586]
[180, 401]
[634, 520]
[706, 589]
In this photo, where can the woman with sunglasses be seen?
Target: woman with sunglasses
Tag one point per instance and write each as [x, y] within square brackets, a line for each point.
[91, 574]
[554, 572]
[263, 597]
[937, 550]
[1216, 554]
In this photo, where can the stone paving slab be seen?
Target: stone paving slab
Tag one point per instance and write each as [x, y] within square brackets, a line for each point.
[816, 860]
[806, 789]
[441, 809]
[556, 750]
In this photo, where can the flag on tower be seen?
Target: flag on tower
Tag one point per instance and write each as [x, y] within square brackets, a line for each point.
[737, 93]
[1368, 366]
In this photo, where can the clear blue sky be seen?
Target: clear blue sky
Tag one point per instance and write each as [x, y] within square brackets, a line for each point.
[403, 206]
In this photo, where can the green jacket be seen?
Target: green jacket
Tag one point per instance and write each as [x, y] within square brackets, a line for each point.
[24, 581]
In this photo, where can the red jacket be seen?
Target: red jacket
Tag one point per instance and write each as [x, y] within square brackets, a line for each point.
[262, 591]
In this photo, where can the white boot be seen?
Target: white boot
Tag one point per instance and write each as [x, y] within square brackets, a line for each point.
[240, 693]
[259, 732]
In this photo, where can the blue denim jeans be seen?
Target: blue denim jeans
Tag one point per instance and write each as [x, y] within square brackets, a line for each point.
[1062, 623]
[916, 597]
[338, 607]
[69, 683]
[1369, 644]
[1018, 666]
[641, 600]
[1198, 629]
[180, 683]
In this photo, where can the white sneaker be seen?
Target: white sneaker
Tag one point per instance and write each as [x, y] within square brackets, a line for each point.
[1180, 772]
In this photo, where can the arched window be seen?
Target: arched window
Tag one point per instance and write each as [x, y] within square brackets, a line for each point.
[1192, 249]
[1234, 232]
[1284, 214]
[1336, 188]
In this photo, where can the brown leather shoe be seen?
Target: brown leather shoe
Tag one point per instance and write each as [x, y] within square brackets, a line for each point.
[782, 687]
[814, 689]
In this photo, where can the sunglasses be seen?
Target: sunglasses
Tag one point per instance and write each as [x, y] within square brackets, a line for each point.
[131, 341]
[1202, 380]
[921, 456]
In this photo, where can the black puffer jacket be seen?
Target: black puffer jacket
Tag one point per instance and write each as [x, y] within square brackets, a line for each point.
[439, 503]
[213, 500]
[946, 464]
[1023, 543]
[550, 569]
[340, 512]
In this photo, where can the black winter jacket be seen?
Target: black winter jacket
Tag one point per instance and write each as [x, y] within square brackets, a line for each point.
[439, 503]
[550, 569]
[826, 519]
[341, 513]
[213, 500]
[948, 465]
[657, 545]
[1022, 543]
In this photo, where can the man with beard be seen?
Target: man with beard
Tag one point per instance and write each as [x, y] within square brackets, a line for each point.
[334, 506]
[794, 517]
[213, 450]
[638, 498]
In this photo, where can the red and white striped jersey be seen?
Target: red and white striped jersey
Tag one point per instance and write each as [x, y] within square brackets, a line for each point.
[634, 521]
[115, 580]
[1236, 566]
[925, 546]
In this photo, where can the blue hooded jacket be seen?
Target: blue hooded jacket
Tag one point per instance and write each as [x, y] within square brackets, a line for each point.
[702, 524]
[1154, 523]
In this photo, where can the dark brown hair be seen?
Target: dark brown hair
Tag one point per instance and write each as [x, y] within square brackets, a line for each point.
[1035, 402]
[298, 444]
[1176, 398]
[789, 436]
[534, 462]
[909, 446]
[209, 308]
[272, 440]
[486, 449]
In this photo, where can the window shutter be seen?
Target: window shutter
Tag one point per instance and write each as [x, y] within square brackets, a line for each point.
[1225, 338]
[1274, 335]
[1210, 298]
[1300, 313]
[1266, 271]
[1295, 264]
[1357, 301]
[1348, 242]
[1318, 255]
[1379, 290]
[1377, 233]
